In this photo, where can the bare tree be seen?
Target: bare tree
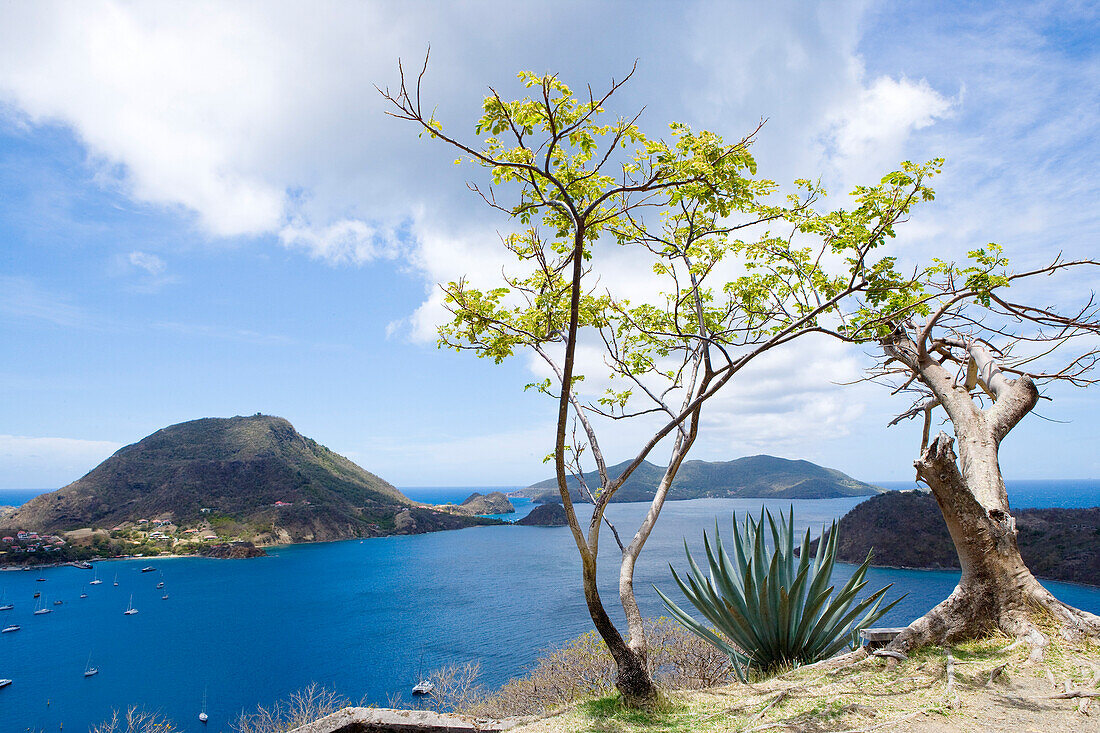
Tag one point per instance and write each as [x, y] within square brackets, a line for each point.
[963, 344]
[584, 186]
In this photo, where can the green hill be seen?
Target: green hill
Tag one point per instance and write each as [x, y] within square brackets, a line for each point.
[905, 529]
[256, 472]
[750, 477]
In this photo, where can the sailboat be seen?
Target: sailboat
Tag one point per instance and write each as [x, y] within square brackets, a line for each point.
[95, 580]
[424, 686]
[89, 670]
[38, 611]
[130, 610]
[10, 628]
[116, 578]
[203, 717]
[5, 606]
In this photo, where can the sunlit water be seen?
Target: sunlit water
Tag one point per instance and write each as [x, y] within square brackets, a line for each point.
[361, 617]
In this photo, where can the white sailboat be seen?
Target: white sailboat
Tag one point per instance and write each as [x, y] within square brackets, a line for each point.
[203, 717]
[89, 670]
[5, 606]
[39, 610]
[5, 683]
[10, 628]
[95, 580]
[130, 610]
[116, 578]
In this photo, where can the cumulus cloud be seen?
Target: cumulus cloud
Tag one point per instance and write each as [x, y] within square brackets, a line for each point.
[342, 242]
[867, 135]
[263, 120]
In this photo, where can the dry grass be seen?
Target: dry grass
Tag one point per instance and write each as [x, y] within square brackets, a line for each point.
[304, 706]
[865, 697]
[134, 720]
[580, 670]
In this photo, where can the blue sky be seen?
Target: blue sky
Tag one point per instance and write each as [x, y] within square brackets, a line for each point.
[205, 212]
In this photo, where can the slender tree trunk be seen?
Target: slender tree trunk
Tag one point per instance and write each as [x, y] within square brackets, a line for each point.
[632, 677]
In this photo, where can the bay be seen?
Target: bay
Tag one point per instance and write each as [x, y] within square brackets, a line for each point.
[360, 617]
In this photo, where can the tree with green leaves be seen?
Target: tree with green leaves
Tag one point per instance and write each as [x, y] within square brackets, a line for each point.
[584, 191]
[965, 340]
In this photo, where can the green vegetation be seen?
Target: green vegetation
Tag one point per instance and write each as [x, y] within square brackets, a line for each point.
[773, 607]
[906, 529]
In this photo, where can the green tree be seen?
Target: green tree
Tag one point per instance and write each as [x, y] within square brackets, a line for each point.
[692, 208]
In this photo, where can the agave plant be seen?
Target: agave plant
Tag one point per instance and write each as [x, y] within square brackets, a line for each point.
[775, 607]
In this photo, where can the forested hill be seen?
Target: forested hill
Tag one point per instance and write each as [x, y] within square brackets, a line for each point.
[906, 529]
[257, 470]
[750, 477]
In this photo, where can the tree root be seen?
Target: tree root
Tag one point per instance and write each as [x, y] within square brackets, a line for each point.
[953, 701]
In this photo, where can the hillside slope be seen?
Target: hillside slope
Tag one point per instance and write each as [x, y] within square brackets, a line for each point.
[750, 477]
[240, 468]
[906, 529]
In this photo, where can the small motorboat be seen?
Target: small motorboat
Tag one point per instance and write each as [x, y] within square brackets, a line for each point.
[37, 595]
[148, 569]
[5, 683]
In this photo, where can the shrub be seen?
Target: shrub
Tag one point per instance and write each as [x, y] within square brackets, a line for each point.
[304, 706]
[771, 604]
[582, 668]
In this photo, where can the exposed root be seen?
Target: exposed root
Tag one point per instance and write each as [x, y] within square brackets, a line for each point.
[953, 700]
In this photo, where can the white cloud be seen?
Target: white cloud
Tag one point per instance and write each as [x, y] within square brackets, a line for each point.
[343, 242]
[263, 120]
[27, 462]
[868, 133]
[150, 263]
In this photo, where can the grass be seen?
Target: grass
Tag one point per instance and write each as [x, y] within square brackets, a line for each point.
[865, 696]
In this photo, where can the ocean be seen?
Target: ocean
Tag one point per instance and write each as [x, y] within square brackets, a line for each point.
[361, 617]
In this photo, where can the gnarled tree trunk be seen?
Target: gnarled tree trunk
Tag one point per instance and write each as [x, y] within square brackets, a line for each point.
[996, 590]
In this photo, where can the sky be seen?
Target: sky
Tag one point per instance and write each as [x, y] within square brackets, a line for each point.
[205, 211]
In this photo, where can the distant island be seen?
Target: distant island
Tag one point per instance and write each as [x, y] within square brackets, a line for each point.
[756, 477]
[214, 480]
[905, 529]
[545, 515]
[495, 502]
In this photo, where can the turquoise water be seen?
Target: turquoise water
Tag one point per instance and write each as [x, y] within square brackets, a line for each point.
[361, 617]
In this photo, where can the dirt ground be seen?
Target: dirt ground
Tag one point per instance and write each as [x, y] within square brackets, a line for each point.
[979, 686]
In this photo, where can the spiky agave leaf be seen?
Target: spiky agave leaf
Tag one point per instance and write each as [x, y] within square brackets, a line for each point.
[773, 606]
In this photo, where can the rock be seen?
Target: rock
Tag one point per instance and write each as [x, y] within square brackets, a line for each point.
[370, 720]
[545, 515]
[233, 551]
